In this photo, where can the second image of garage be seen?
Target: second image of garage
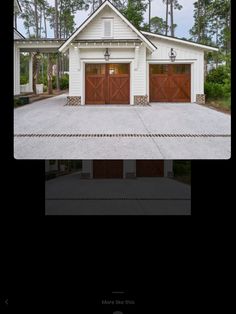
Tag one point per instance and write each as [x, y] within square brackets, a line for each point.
[111, 169]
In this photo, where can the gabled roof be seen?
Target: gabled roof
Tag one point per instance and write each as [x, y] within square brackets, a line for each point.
[182, 41]
[17, 5]
[15, 30]
[149, 44]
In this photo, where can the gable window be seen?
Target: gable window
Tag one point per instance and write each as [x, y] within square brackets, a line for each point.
[108, 28]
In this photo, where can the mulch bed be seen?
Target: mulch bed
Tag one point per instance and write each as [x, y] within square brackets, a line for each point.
[213, 106]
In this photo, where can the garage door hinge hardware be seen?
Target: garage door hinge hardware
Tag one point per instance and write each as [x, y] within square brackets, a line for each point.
[121, 135]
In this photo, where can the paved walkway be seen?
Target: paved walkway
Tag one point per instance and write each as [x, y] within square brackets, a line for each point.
[49, 130]
[70, 195]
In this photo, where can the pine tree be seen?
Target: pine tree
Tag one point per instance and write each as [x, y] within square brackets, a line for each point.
[157, 25]
[150, 13]
[199, 31]
[134, 12]
[171, 5]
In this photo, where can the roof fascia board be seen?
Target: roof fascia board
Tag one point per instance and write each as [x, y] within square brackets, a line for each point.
[148, 43]
[18, 6]
[182, 41]
[15, 30]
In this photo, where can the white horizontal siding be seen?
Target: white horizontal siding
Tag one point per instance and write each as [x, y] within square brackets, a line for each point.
[185, 54]
[98, 53]
[94, 30]
[139, 75]
[74, 74]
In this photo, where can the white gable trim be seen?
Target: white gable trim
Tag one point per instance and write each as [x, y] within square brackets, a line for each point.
[149, 44]
[18, 34]
[17, 5]
[185, 42]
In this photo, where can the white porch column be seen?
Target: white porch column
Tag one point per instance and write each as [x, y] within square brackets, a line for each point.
[136, 58]
[78, 56]
[16, 70]
[30, 72]
[168, 168]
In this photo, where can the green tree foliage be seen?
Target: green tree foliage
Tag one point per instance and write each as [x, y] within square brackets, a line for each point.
[134, 11]
[218, 75]
[59, 14]
[24, 68]
[157, 25]
[171, 5]
[218, 83]
[200, 30]
[64, 81]
[213, 27]
[212, 23]
[62, 14]
[119, 4]
[35, 14]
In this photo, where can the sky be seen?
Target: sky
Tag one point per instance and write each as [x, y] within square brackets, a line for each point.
[183, 18]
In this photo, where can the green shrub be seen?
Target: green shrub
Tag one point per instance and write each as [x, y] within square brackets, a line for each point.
[227, 88]
[213, 90]
[23, 79]
[218, 91]
[182, 168]
[64, 82]
[43, 80]
[16, 102]
[218, 75]
[54, 82]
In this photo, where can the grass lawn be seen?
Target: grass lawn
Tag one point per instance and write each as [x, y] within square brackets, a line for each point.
[223, 104]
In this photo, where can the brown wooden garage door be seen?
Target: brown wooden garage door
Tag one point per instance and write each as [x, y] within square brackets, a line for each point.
[107, 83]
[107, 169]
[149, 168]
[170, 82]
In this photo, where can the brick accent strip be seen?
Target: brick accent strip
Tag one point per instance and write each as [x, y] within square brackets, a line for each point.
[201, 99]
[73, 101]
[141, 100]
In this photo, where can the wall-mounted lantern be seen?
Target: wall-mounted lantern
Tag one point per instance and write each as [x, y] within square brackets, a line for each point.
[172, 55]
[107, 55]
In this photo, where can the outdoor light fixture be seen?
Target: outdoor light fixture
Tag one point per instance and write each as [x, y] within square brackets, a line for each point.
[172, 55]
[107, 55]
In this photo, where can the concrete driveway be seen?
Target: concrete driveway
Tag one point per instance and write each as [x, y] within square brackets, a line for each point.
[49, 130]
[70, 195]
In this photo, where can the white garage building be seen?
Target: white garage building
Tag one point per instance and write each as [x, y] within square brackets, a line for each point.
[111, 62]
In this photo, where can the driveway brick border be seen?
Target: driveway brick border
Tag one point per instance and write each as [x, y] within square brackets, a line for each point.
[121, 135]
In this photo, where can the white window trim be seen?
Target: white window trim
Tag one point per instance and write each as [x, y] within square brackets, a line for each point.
[112, 27]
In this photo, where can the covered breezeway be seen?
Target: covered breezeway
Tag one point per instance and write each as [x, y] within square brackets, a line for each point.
[34, 47]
